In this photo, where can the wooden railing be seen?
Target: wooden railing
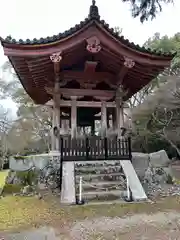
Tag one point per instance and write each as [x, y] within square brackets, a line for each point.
[95, 148]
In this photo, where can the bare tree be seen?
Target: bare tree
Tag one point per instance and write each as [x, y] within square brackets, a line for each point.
[33, 127]
[33, 122]
[161, 112]
[5, 125]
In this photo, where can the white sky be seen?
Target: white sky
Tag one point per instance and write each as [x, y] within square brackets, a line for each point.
[40, 18]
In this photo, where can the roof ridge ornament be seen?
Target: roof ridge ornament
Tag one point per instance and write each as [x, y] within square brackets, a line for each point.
[94, 11]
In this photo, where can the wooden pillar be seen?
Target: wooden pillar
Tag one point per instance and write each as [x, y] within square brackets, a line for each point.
[68, 193]
[56, 58]
[114, 125]
[119, 110]
[108, 123]
[56, 123]
[53, 139]
[103, 118]
[65, 126]
[119, 117]
[57, 114]
[73, 116]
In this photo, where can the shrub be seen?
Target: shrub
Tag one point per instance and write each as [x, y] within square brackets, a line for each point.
[12, 188]
[27, 177]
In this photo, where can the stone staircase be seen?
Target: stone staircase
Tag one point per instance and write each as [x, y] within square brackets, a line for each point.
[101, 180]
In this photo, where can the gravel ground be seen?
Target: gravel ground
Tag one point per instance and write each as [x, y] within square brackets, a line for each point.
[162, 225]
[140, 226]
[44, 233]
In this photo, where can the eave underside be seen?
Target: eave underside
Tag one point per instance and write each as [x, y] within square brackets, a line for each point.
[36, 73]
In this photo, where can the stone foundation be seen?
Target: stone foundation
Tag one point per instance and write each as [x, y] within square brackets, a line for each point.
[143, 161]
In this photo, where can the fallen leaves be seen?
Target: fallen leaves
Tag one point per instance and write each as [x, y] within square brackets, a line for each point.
[24, 212]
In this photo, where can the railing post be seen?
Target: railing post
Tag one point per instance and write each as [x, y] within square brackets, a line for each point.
[129, 148]
[87, 148]
[105, 148]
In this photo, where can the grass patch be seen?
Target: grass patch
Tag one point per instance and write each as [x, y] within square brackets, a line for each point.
[23, 212]
[3, 176]
[12, 188]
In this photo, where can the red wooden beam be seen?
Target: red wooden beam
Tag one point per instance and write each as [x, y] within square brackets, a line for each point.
[83, 75]
[81, 92]
[90, 67]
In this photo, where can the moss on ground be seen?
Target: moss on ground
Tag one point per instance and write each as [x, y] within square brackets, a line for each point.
[3, 176]
[12, 188]
[24, 212]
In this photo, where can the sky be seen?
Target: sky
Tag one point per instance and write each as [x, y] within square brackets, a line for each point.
[41, 18]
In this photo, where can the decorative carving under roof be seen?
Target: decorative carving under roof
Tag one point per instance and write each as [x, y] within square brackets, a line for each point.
[128, 62]
[56, 57]
[93, 45]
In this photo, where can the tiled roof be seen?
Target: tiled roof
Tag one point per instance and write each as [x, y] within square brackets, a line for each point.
[92, 17]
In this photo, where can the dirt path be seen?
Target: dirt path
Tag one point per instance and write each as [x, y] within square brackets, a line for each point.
[141, 226]
[157, 226]
[46, 219]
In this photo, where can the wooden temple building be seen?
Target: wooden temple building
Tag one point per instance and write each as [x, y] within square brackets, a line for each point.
[86, 73]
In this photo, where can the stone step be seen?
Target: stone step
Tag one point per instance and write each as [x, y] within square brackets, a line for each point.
[98, 162]
[103, 195]
[101, 177]
[98, 170]
[101, 180]
[87, 168]
[104, 183]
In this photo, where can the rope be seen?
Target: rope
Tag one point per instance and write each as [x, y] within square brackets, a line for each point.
[103, 188]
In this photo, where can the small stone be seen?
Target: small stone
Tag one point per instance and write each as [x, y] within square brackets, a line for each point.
[16, 194]
[26, 190]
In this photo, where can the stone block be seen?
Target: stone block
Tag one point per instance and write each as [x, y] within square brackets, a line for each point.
[175, 171]
[140, 162]
[159, 159]
[20, 164]
[68, 184]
